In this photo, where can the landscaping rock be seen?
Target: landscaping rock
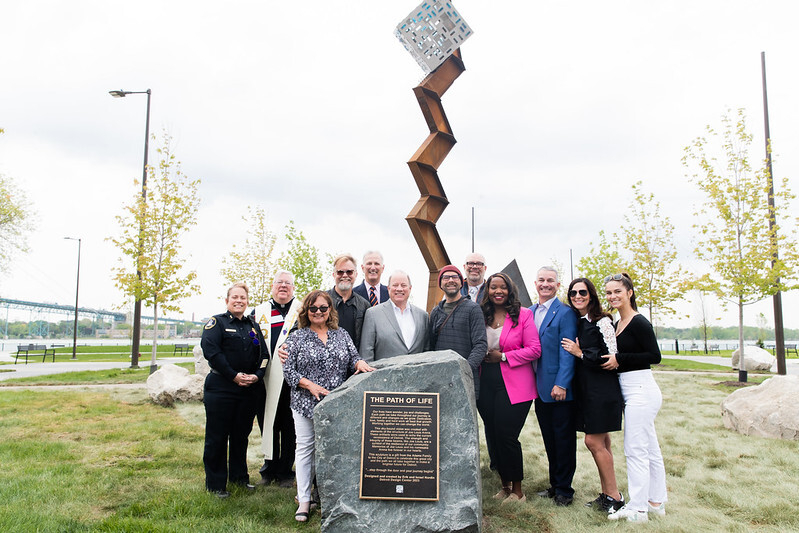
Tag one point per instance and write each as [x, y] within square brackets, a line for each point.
[755, 359]
[172, 383]
[338, 425]
[770, 409]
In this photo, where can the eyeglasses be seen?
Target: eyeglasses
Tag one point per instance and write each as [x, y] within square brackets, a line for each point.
[254, 338]
[283, 282]
[320, 309]
[581, 292]
[614, 277]
[448, 277]
[347, 272]
[475, 264]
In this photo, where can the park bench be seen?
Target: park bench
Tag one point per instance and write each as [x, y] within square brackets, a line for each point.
[183, 349]
[714, 348]
[26, 349]
[791, 348]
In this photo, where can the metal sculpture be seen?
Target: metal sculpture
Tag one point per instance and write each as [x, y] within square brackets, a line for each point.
[432, 33]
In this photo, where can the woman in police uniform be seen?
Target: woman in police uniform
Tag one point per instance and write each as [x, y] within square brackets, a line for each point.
[236, 352]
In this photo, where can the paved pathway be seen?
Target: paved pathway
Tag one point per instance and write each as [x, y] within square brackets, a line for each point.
[21, 370]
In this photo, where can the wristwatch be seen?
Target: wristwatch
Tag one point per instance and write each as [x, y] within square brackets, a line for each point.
[503, 358]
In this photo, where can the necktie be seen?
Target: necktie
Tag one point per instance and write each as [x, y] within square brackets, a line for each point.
[372, 297]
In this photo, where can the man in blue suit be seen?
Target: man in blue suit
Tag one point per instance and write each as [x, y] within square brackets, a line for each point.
[554, 407]
[371, 289]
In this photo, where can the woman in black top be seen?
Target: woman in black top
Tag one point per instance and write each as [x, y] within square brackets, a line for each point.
[638, 349]
[596, 391]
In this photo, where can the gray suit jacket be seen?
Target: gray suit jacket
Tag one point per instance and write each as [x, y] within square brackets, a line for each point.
[381, 336]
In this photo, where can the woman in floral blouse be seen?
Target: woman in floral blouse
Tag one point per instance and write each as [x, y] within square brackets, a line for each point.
[320, 355]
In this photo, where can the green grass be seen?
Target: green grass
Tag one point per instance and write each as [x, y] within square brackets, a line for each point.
[687, 364]
[90, 377]
[112, 461]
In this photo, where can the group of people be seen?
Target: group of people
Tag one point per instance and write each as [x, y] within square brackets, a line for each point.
[277, 362]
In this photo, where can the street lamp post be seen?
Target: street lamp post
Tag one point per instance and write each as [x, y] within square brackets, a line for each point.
[77, 291]
[134, 349]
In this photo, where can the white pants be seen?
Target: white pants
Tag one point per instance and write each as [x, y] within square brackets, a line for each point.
[304, 458]
[646, 475]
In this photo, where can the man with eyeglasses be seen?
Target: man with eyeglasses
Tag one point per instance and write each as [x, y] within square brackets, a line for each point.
[394, 327]
[457, 323]
[349, 306]
[475, 268]
[371, 288]
[277, 318]
[554, 407]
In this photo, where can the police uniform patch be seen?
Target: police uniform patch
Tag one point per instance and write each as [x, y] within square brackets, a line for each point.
[211, 323]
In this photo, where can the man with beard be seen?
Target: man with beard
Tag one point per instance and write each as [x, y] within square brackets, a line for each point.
[475, 268]
[457, 323]
[277, 318]
[349, 306]
[371, 288]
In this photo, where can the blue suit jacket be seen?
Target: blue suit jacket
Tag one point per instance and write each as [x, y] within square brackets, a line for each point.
[363, 291]
[556, 366]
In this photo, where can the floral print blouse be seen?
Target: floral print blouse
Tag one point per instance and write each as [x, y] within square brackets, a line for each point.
[326, 365]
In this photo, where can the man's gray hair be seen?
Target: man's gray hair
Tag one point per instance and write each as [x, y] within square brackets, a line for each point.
[400, 273]
[281, 272]
[373, 252]
[550, 269]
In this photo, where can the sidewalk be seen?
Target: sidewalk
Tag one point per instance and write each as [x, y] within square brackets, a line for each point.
[791, 365]
[21, 370]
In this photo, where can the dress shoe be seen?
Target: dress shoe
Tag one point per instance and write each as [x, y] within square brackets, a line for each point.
[513, 498]
[549, 493]
[503, 493]
[221, 494]
[563, 501]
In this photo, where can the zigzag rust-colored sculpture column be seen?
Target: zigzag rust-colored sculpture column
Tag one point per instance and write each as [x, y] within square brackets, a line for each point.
[424, 167]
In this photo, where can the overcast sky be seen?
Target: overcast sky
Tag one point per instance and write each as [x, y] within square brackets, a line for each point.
[306, 109]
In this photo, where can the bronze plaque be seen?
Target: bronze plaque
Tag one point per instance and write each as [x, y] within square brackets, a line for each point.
[399, 446]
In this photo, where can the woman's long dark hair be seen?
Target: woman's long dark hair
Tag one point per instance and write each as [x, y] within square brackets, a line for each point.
[512, 304]
[595, 311]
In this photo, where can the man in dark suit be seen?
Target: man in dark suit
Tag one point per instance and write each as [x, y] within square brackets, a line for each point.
[394, 327]
[554, 406]
[371, 289]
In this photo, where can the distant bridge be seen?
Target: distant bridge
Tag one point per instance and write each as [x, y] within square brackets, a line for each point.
[40, 309]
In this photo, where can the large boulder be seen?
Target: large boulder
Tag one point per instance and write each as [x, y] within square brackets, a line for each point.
[755, 359]
[172, 383]
[770, 409]
[338, 424]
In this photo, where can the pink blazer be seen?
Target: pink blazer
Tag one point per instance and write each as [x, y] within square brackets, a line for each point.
[521, 346]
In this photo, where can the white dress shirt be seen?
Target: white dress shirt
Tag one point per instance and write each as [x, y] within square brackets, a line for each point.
[406, 323]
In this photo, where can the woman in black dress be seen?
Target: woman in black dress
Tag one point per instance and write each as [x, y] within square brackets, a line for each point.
[597, 391]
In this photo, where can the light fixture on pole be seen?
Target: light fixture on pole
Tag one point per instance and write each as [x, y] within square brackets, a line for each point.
[77, 291]
[134, 349]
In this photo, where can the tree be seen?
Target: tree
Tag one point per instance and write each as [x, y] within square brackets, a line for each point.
[301, 258]
[602, 260]
[734, 236]
[15, 220]
[648, 241]
[704, 287]
[150, 240]
[254, 262]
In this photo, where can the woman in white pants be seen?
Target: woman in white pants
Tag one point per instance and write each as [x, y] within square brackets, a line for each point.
[637, 350]
[320, 355]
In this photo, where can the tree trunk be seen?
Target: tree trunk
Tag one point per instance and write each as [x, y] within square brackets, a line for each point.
[741, 362]
[153, 363]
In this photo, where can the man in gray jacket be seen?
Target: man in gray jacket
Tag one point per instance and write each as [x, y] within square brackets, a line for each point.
[457, 323]
[394, 327]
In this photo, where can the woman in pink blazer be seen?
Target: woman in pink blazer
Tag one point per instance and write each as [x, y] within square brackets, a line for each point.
[507, 381]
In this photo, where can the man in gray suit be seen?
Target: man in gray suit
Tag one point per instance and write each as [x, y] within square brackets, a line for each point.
[394, 327]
